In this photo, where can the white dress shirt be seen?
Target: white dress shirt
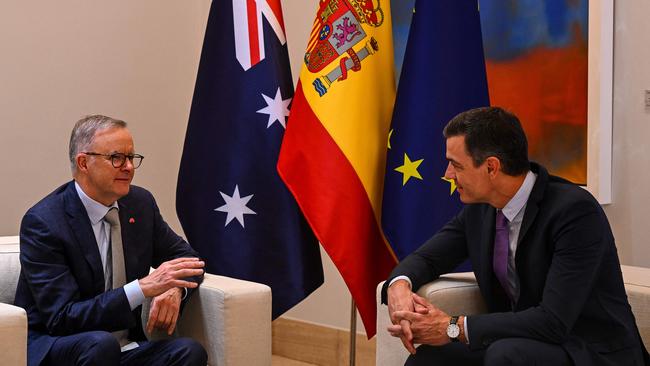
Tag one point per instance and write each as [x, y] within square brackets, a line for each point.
[102, 230]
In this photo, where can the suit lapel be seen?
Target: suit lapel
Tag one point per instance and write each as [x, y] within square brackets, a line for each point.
[80, 223]
[532, 206]
[129, 254]
[495, 296]
[487, 243]
[529, 218]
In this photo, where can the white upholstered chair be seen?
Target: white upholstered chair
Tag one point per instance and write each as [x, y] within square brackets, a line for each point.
[231, 318]
[458, 293]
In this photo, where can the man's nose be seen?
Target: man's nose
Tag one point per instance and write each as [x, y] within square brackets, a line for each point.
[128, 164]
[450, 173]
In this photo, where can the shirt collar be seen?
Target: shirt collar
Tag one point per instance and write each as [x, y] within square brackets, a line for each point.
[516, 203]
[96, 211]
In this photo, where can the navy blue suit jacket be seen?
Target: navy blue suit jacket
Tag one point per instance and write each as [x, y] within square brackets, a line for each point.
[61, 283]
[571, 286]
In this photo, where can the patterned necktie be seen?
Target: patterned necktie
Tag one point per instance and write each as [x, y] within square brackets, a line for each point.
[501, 247]
[117, 253]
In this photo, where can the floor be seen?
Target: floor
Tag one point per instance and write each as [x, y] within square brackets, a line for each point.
[281, 361]
[314, 344]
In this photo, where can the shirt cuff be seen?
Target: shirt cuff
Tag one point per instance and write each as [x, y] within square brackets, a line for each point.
[134, 294]
[401, 278]
[466, 329]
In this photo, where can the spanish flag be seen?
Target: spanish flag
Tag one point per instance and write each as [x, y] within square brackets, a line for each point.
[333, 154]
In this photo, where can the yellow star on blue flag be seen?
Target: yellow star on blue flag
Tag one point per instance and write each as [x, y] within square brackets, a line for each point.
[452, 185]
[409, 169]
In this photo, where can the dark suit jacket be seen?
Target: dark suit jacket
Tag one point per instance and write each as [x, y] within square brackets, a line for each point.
[61, 283]
[571, 286]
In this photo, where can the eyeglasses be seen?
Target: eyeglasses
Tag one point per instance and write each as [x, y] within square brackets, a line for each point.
[118, 159]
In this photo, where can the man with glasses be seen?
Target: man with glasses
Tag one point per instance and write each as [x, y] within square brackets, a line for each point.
[85, 252]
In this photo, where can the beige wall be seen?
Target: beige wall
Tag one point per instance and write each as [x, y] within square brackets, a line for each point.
[134, 60]
[137, 60]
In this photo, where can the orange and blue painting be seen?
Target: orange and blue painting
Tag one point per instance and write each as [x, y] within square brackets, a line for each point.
[536, 62]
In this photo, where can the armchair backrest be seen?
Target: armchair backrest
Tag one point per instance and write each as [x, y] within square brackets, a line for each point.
[9, 267]
[637, 287]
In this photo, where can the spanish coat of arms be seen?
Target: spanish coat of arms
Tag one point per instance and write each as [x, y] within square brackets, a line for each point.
[338, 28]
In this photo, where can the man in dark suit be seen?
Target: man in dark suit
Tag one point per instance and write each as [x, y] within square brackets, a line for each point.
[86, 250]
[543, 255]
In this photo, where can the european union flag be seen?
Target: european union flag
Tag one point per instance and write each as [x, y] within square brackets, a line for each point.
[443, 74]
[232, 205]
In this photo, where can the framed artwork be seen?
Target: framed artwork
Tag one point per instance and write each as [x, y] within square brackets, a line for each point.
[536, 58]
[600, 97]
[550, 62]
[401, 13]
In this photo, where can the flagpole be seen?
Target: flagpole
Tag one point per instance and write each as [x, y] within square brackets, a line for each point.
[353, 331]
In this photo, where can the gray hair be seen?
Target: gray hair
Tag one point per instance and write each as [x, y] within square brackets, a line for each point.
[83, 134]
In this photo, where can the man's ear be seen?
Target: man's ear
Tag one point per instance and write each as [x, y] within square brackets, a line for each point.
[82, 162]
[493, 166]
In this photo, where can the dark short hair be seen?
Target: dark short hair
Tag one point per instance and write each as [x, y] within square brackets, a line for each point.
[492, 131]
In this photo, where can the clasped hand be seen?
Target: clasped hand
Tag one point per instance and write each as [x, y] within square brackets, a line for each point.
[416, 320]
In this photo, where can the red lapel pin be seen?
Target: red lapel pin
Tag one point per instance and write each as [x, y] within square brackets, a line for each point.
[131, 220]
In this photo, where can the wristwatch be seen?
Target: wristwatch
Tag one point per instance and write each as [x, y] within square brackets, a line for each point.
[453, 330]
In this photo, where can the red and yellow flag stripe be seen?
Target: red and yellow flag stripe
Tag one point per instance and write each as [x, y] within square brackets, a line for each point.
[333, 152]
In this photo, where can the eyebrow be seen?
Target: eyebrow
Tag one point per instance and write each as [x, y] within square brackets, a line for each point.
[453, 162]
[120, 152]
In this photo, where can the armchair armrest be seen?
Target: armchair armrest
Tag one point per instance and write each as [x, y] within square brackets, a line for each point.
[13, 335]
[455, 294]
[232, 319]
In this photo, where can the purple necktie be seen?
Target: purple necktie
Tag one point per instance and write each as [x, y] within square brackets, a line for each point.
[501, 247]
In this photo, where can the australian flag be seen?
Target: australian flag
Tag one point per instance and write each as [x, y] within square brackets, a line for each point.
[232, 205]
[443, 74]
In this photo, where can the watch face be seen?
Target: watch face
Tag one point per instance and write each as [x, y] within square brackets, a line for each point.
[453, 331]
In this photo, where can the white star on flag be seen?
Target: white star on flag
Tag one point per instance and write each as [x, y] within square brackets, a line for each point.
[235, 207]
[277, 109]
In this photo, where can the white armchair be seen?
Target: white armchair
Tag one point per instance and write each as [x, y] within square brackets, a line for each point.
[458, 293]
[230, 318]
[455, 293]
[13, 319]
